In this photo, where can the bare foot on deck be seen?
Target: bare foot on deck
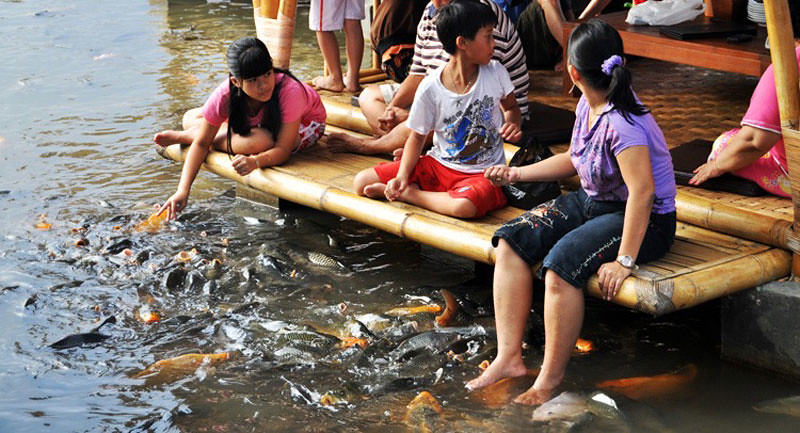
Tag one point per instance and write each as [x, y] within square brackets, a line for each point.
[328, 83]
[376, 190]
[542, 391]
[497, 371]
[166, 138]
[341, 142]
[351, 86]
[559, 66]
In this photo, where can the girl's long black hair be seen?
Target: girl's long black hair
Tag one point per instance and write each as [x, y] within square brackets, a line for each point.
[249, 58]
[592, 43]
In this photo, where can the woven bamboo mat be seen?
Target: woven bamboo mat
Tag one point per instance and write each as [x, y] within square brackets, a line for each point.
[687, 102]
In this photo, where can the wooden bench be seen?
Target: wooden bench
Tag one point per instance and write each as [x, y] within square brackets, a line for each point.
[749, 58]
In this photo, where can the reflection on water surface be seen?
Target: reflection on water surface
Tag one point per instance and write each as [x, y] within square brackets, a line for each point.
[297, 299]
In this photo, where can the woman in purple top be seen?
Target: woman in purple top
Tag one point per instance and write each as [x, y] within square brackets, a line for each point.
[624, 213]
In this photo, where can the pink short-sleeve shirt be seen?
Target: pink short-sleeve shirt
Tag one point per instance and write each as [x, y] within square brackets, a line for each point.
[763, 112]
[297, 100]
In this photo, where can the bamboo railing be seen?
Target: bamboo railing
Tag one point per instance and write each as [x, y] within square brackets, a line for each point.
[784, 63]
[275, 21]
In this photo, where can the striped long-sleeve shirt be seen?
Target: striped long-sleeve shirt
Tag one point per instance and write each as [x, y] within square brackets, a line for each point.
[429, 53]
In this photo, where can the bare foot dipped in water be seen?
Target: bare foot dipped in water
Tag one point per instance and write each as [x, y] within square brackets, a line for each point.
[167, 138]
[341, 142]
[376, 190]
[498, 370]
[327, 83]
[542, 391]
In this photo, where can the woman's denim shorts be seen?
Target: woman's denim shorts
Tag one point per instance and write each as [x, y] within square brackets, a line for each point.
[573, 235]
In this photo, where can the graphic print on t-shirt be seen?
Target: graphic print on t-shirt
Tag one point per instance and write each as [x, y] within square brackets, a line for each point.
[471, 134]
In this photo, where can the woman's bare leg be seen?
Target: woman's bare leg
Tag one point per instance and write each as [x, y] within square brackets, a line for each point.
[563, 318]
[513, 283]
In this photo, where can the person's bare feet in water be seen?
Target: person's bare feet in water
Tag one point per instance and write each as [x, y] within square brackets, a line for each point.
[499, 369]
[542, 391]
[166, 138]
[376, 190]
[328, 82]
[342, 142]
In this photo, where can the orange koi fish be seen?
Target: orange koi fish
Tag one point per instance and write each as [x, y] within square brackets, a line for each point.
[643, 387]
[410, 311]
[184, 364]
[154, 222]
[583, 347]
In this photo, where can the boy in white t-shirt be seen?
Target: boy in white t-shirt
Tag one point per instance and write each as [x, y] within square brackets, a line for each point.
[469, 105]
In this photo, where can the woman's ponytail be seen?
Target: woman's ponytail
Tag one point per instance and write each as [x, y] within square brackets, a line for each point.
[595, 50]
[620, 93]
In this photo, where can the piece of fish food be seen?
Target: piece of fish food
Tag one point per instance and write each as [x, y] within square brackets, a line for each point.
[184, 364]
[424, 414]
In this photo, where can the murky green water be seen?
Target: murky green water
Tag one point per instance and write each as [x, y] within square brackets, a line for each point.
[84, 86]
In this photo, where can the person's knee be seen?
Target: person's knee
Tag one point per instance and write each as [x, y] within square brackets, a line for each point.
[191, 117]
[370, 95]
[363, 179]
[259, 140]
[464, 208]
[554, 283]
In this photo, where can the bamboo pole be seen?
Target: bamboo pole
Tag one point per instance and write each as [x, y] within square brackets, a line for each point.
[346, 116]
[737, 222]
[275, 20]
[376, 60]
[784, 63]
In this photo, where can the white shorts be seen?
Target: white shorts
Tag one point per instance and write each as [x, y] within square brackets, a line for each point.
[329, 15]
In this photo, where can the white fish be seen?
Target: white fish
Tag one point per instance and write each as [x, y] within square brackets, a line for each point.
[783, 406]
[105, 56]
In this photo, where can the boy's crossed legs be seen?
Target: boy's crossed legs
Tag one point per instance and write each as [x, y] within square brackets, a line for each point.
[435, 187]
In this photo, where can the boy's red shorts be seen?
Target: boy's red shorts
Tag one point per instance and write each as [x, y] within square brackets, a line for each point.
[431, 175]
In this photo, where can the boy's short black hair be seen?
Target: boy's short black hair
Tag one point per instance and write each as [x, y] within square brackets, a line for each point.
[462, 18]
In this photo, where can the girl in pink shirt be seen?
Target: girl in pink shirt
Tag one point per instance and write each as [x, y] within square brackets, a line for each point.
[260, 114]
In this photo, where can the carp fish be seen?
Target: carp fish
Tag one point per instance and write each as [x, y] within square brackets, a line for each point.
[642, 387]
[183, 365]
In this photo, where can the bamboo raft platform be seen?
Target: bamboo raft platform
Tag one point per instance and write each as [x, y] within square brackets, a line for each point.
[724, 242]
[702, 265]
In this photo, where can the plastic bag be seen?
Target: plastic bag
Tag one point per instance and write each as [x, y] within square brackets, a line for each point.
[665, 12]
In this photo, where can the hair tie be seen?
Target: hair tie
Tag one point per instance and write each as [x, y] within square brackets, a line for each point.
[610, 63]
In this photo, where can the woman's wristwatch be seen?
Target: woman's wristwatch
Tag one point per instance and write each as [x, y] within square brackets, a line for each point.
[627, 262]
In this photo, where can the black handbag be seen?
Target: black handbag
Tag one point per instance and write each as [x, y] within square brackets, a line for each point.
[527, 195]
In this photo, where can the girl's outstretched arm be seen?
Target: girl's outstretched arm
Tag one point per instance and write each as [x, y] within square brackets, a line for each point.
[634, 164]
[197, 154]
[287, 141]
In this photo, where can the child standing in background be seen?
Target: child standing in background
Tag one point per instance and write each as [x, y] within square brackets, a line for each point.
[325, 17]
[469, 105]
